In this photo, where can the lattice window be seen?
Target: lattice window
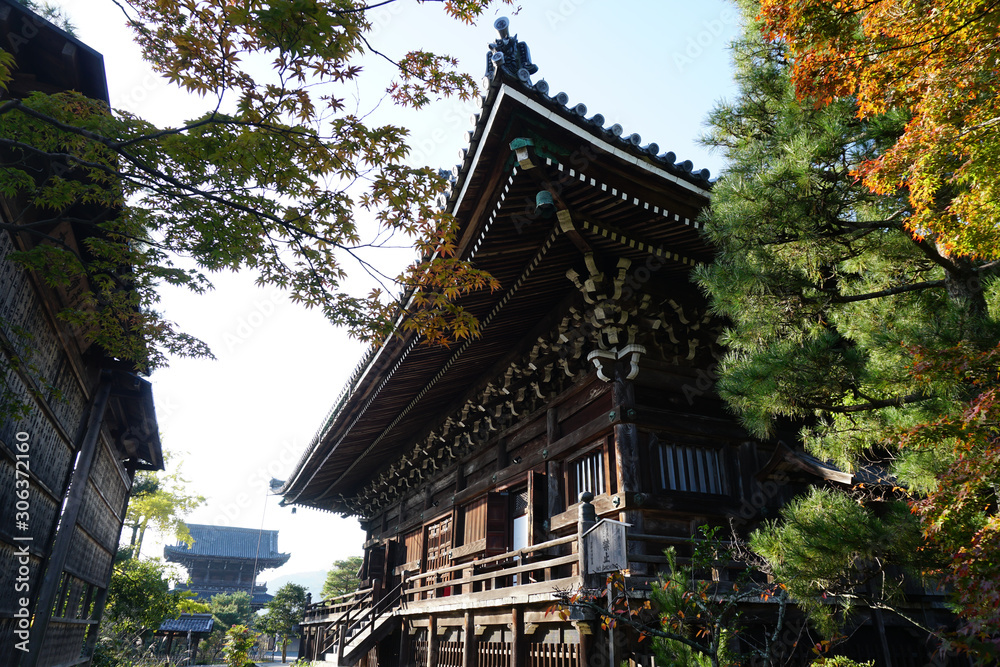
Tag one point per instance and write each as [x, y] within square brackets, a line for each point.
[689, 468]
[420, 652]
[588, 473]
[438, 544]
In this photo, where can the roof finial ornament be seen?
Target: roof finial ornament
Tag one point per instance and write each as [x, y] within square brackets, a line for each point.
[509, 55]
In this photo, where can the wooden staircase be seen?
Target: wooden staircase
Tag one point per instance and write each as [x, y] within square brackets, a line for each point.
[359, 628]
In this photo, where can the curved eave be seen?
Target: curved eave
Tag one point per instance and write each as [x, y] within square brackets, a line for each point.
[179, 554]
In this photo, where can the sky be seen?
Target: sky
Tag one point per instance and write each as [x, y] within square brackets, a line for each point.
[654, 66]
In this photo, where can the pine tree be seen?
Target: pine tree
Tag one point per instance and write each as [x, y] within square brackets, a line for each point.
[835, 305]
[342, 578]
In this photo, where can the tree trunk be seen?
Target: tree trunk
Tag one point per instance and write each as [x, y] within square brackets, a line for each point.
[138, 546]
[966, 287]
[284, 648]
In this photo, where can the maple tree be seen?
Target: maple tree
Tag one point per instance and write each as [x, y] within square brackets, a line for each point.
[276, 175]
[959, 512]
[935, 60]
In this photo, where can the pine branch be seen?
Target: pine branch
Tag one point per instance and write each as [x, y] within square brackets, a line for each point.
[865, 407]
[902, 289]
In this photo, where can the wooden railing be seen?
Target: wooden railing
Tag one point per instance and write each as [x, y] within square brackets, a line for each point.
[542, 564]
[339, 628]
[547, 565]
[337, 621]
[327, 610]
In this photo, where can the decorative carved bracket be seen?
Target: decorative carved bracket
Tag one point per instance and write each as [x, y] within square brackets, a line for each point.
[624, 324]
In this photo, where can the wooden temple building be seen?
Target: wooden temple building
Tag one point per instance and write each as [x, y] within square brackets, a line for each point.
[226, 559]
[593, 373]
[75, 424]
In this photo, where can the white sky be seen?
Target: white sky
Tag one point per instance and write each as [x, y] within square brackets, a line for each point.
[654, 66]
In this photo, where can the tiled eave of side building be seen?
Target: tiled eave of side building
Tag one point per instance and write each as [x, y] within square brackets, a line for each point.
[625, 198]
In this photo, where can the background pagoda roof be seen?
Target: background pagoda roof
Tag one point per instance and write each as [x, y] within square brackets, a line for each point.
[229, 542]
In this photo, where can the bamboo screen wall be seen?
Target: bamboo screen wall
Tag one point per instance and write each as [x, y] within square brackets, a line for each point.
[42, 435]
[88, 566]
[38, 447]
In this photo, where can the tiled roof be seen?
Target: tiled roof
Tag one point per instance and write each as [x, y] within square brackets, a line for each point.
[229, 542]
[261, 598]
[509, 61]
[188, 623]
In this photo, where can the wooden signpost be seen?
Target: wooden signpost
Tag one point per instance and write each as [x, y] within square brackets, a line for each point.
[606, 552]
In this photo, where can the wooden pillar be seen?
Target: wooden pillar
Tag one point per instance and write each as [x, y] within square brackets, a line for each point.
[628, 460]
[469, 646]
[193, 643]
[552, 424]
[67, 522]
[460, 477]
[305, 643]
[518, 645]
[432, 641]
[404, 645]
[586, 519]
[553, 469]
[626, 435]
[501, 449]
[553, 474]
[586, 646]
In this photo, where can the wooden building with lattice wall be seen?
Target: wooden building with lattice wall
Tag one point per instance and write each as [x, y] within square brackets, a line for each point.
[76, 424]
